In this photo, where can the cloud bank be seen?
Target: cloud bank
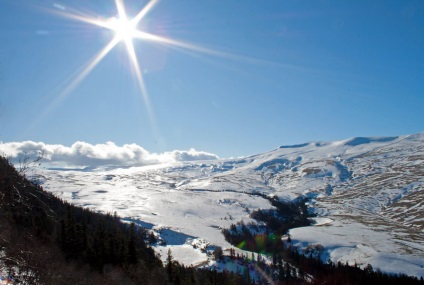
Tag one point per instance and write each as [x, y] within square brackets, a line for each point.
[82, 154]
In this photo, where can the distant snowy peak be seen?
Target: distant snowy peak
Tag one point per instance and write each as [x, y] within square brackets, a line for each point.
[366, 140]
[356, 141]
[351, 146]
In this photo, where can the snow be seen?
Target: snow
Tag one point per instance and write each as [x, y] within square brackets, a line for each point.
[367, 194]
[322, 221]
[360, 244]
[185, 254]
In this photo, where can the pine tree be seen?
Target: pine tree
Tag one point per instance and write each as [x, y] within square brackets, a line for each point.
[132, 253]
[169, 265]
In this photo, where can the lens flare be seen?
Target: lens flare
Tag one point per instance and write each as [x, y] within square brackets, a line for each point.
[241, 245]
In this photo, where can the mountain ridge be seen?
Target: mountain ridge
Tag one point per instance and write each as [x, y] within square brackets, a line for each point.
[371, 189]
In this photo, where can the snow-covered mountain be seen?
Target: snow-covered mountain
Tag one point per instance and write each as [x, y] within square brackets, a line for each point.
[368, 194]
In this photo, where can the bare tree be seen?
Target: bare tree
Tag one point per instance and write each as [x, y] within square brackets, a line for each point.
[26, 163]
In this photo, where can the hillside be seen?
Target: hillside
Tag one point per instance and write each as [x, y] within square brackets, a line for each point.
[367, 194]
[45, 240]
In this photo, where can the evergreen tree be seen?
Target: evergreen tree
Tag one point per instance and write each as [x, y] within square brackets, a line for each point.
[169, 265]
[132, 253]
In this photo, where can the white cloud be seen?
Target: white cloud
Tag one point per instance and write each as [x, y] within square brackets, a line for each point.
[82, 154]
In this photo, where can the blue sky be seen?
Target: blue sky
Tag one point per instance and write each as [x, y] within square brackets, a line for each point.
[284, 72]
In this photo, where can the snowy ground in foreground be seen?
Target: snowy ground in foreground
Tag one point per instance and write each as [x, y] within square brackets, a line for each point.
[368, 194]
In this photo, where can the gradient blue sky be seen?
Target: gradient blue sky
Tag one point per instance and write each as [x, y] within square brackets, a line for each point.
[298, 71]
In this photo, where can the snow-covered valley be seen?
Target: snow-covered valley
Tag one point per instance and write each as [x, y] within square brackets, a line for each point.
[367, 194]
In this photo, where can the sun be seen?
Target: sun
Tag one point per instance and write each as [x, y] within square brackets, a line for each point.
[124, 30]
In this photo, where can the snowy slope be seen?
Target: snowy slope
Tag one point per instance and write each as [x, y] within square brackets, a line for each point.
[367, 193]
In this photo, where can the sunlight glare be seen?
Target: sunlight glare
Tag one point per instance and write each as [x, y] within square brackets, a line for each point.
[124, 29]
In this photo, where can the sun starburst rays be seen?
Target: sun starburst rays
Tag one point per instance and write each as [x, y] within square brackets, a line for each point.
[125, 30]
[144, 11]
[90, 66]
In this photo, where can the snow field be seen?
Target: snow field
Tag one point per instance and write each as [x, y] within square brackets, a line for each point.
[367, 194]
